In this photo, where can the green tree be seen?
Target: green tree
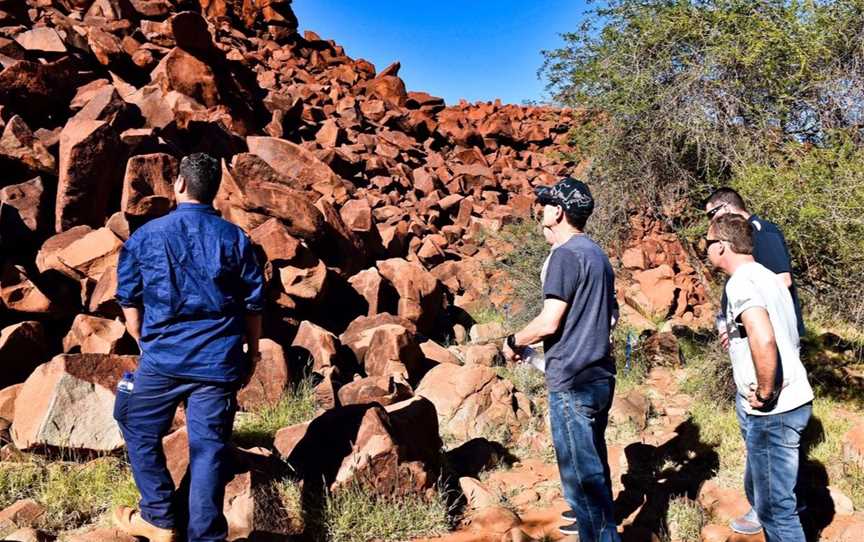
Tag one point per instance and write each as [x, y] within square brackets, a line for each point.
[685, 95]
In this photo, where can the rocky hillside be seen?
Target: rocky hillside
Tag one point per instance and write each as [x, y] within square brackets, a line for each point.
[375, 210]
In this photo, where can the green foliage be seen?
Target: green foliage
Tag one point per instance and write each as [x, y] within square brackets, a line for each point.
[709, 371]
[258, 428]
[681, 96]
[353, 514]
[816, 196]
[684, 519]
[628, 377]
[522, 266]
[525, 378]
[718, 426]
[72, 494]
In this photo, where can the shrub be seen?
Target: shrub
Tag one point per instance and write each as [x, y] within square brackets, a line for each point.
[684, 520]
[522, 266]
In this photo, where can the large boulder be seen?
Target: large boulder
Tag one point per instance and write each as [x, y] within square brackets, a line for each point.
[91, 255]
[384, 390]
[268, 382]
[68, 403]
[389, 450]
[472, 401]
[420, 294]
[320, 343]
[22, 348]
[19, 293]
[90, 153]
[21, 147]
[148, 189]
[29, 198]
[299, 165]
[95, 335]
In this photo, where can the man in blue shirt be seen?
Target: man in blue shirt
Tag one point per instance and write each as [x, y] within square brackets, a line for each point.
[191, 292]
[769, 250]
[579, 310]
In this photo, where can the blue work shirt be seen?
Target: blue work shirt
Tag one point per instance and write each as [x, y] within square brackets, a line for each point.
[196, 277]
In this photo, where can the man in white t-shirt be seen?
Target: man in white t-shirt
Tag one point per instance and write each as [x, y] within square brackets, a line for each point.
[774, 398]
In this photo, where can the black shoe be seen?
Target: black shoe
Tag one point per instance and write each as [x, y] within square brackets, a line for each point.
[573, 528]
[569, 515]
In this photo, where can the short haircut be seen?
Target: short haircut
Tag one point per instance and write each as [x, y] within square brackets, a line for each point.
[202, 174]
[577, 221]
[736, 230]
[728, 196]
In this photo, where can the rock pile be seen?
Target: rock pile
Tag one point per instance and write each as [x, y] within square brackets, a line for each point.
[367, 202]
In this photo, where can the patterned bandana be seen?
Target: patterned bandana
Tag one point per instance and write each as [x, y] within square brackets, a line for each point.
[571, 194]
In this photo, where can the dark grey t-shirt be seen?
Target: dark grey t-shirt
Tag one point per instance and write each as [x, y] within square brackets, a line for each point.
[579, 273]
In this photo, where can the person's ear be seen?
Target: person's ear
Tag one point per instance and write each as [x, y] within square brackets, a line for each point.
[559, 214]
[180, 184]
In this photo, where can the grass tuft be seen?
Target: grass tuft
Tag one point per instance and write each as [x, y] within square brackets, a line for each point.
[72, 494]
[718, 426]
[257, 428]
[353, 514]
[684, 519]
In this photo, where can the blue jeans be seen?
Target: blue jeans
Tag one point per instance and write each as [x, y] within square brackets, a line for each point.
[144, 416]
[579, 418]
[771, 471]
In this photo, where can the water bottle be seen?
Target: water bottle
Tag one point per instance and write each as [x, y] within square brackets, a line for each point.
[127, 383]
[534, 358]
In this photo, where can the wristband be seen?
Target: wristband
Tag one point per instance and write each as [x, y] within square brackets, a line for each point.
[511, 342]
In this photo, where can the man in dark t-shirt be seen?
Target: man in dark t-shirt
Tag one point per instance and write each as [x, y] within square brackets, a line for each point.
[575, 324]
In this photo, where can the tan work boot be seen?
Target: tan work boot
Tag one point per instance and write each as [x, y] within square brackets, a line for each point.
[131, 522]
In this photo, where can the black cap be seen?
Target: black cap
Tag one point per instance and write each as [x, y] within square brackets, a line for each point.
[571, 194]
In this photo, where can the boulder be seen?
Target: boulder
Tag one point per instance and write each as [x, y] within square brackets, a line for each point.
[320, 343]
[420, 295]
[472, 401]
[658, 286]
[20, 146]
[42, 39]
[7, 402]
[68, 403]
[853, 445]
[299, 165]
[23, 347]
[487, 355]
[278, 244]
[23, 513]
[305, 281]
[92, 254]
[47, 259]
[631, 407]
[384, 390]
[30, 200]
[95, 335]
[270, 379]
[393, 350]
[148, 186]
[90, 152]
[436, 353]
[19, 293]
[368, 283]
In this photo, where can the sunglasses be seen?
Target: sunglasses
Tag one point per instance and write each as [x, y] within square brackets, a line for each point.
[715, 210]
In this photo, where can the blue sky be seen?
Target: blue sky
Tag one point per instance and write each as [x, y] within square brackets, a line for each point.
[477, 50]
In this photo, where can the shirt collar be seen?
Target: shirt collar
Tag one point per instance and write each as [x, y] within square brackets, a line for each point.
[194, 207]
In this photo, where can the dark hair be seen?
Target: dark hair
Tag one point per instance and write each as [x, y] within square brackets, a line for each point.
[202, 175]
[736, 230]
[578, 221]
[728, 196]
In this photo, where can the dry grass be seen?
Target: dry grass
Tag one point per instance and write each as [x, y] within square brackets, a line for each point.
[257, 428]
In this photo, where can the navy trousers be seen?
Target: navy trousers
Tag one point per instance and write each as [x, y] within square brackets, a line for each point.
[144, 415]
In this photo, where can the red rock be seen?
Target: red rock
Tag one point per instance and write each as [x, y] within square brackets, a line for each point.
[30, 201]
[393, 350]
[357, 215]
[297, 164]
[659, 287]
[389, 88]
[68, 402]
[716, 533]
[487, 355]
[472, 401]
[395, 450]
[42, 39]
[320, 343]
[106, 105]
[89, 152]
[7, 401]
[358, 335]
[269, 381]
[438, 354]
[420, 297]
[102, 299]
[330, 134]
[384, 390]
[100, 534]
[34, 90]
[19, 144]
[634, 258]
[95, 335]
[494, 519]
[631, 407]
[19, 293]
[278, 245]
[92, 254]
[28, 534]
[260, 188]
[368, 283]
[183, 72]
[148, 186]
[303, 284]
[23, 513]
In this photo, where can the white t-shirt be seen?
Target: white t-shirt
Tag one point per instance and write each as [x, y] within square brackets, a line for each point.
[753, 285]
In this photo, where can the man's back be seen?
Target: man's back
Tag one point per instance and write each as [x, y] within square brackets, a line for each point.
[770, 250]
[195, 276]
